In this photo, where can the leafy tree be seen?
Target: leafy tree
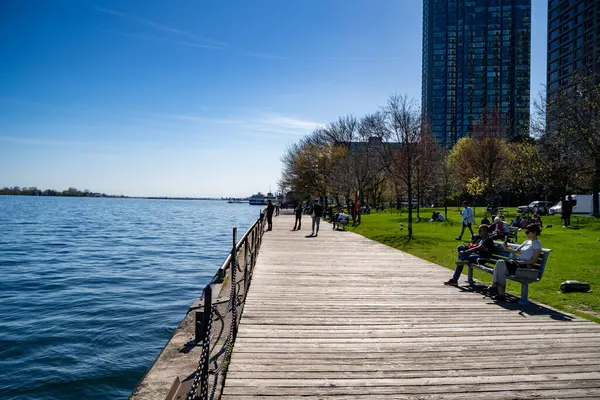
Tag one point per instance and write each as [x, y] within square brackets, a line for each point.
[475, 188]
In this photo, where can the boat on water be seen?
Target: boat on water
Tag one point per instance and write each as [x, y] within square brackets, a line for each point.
[260, 199]
[236, 201]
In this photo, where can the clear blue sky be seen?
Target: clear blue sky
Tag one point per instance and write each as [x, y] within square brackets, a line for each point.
[194, 98]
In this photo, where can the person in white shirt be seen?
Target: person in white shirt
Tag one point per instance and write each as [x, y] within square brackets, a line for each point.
[527, 254]
[468, 218]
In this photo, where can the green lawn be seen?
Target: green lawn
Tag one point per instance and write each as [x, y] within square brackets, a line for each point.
[575, 253]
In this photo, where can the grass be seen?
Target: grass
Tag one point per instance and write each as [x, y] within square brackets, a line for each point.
[575, 253]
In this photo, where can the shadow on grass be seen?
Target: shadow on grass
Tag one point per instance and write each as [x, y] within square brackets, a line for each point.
[512, 303]
[401, 241]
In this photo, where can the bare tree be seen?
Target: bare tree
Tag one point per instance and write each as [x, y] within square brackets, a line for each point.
[426, 164]
[565, 163]
[399, 141]
[447, 179]
[574, 115]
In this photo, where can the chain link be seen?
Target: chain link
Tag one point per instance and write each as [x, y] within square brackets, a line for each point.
[202, 381]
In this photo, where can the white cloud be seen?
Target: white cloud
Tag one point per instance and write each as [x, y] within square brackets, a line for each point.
[163, 28]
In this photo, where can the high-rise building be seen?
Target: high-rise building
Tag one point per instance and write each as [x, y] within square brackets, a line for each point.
[573, 40]
[476, 60]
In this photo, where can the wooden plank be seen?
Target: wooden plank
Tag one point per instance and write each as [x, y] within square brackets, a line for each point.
[341, 316]
[542, 394]
[468, 391]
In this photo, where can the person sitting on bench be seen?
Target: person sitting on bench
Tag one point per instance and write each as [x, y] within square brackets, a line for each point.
[483, 247]
[527, 254]
[497, 229]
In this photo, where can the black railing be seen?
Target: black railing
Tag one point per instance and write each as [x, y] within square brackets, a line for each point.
[218, 315]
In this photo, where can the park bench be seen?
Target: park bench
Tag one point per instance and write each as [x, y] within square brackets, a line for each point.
[341, 220]
[513, 234]
[524, 276]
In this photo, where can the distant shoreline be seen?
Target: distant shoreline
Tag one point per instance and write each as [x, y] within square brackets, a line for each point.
[125, 197]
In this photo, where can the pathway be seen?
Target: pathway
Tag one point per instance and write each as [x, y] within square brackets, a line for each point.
[343, 317]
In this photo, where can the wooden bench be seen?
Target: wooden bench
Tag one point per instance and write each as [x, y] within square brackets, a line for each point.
[524, 276]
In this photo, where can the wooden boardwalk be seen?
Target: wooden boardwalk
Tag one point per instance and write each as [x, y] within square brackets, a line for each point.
[343, 317]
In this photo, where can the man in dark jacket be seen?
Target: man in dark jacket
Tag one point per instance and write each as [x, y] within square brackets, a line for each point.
[567, 210]
[298, 212]
[316, 218]
[270, 210]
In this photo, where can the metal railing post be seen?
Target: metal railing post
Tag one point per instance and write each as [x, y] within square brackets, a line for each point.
[246, 266]
[206, 322]
[233, 282]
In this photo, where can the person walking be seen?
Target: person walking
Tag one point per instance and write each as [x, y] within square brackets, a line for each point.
[468, 218]
[270, 210]
[298, 213]
[317, 213]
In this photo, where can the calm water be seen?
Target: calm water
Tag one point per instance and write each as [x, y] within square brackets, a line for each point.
[92, 289]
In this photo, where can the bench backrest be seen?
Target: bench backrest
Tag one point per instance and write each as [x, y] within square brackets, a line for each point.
[501, 254]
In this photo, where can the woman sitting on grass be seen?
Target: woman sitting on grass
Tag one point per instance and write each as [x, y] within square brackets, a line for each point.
[527, 254]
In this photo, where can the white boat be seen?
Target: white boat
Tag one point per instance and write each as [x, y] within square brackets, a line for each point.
[260, 199]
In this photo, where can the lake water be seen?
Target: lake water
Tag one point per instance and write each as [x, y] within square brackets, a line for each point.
[91, 289]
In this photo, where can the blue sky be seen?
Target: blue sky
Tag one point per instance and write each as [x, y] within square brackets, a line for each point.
[194, 98]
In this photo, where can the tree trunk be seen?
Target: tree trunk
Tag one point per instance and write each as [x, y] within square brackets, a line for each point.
[418, 199]
[445, 204]
[596, 188]
[409, 194]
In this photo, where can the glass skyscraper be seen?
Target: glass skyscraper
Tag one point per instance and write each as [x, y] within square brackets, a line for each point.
[476, 60]
[573, 40]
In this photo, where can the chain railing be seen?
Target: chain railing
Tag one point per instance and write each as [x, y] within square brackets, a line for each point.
[216, 325]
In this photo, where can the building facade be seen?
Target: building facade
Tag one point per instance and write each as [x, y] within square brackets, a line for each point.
[573, 40]
[476, 60]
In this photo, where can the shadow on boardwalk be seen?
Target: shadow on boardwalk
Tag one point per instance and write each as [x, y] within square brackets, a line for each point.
[524, 309]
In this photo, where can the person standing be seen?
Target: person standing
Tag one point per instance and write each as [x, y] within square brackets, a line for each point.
[567, 210]
[468, 218]
[317, 213]
[298, 213]
[270, 210]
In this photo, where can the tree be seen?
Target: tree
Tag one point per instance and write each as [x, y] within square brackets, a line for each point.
[309, 164]
[565, 164]
[398, 144]
[573, 114]
[447, 179]
[484, 155]
[426, 163]
[475, 188]
[528, 169]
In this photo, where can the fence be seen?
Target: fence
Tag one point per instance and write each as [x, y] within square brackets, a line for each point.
[218, 316]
